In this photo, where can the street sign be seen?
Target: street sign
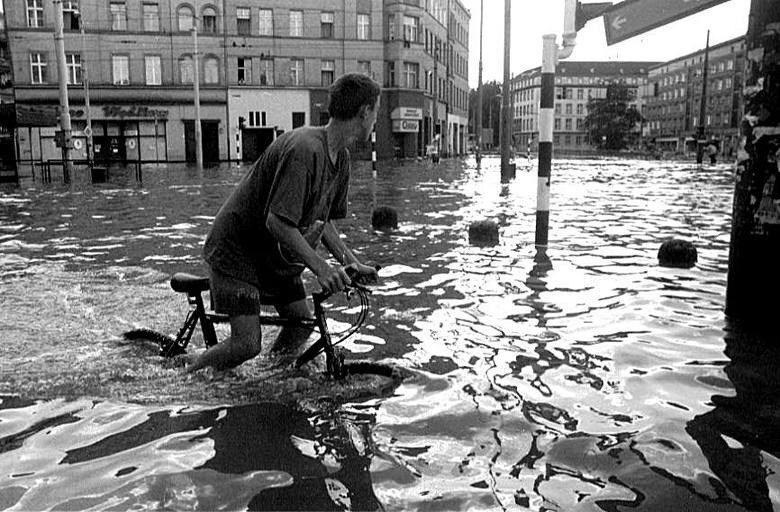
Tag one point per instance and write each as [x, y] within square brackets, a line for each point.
[632, 17]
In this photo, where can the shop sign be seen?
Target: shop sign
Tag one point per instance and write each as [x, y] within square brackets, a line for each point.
[134, 111]
[407, 113]
[406, 126]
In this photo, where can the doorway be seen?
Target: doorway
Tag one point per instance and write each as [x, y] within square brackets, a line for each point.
[209, 142]
[254, 141]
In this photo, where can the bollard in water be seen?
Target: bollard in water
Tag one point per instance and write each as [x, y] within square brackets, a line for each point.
[384, 218]
[483, 233]
[677, 253]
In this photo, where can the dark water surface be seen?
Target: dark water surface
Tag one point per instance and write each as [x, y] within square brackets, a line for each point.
[595, 380]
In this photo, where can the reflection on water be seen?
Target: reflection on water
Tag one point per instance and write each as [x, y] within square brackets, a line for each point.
[584, 377]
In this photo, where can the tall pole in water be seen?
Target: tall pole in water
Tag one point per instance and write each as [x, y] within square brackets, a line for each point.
[701, 141]
[506, 107]
[62, 78]
[478, 122]
[755, 231]
[196, 87]
[85, 82]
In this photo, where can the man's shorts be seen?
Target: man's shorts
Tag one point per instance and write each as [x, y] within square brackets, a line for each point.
[234, 297]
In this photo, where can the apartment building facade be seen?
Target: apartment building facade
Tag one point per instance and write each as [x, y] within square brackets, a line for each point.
[673, 99]
[264, 68]
[575, 84]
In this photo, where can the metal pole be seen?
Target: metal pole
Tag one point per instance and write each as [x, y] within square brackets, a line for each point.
[85, 82]
[506, 108]
[546, 118]
[196, 87]
[436, 94]
[62, 76]
[479, 87]
[700, 140]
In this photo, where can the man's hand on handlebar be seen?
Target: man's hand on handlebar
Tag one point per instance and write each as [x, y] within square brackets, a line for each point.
[333, 279]
[362, 274]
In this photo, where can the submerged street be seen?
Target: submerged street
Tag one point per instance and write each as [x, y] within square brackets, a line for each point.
[594, 379]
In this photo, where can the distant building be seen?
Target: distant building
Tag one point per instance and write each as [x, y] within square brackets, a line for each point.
[265, 68]
[673, 99]
[575, 84]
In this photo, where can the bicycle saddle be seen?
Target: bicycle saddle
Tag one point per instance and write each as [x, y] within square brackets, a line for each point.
[187, 283]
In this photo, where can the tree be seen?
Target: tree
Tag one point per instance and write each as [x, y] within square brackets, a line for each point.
[491, 109]
[611, 121]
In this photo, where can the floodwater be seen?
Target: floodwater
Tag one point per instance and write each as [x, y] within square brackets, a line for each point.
[589, 379]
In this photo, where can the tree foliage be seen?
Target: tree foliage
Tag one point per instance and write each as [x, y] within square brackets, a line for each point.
[491, 108]
[611, 121]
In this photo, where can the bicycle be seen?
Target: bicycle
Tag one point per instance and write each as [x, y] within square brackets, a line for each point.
[194, 286]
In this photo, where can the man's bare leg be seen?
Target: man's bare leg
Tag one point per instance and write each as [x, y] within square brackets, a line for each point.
[243, 344]
[290, 338]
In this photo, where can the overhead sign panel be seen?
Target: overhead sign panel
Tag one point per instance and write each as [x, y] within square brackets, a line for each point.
[633, 17]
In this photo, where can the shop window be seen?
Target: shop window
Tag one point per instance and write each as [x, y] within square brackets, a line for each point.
[298, 119]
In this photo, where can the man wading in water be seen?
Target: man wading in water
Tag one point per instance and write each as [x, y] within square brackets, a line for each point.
[267, 231]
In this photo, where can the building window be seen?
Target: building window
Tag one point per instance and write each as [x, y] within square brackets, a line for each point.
[410, 28]
[34, 13]
[568, 109]
[118, 15]
[296, 23]
[120, 65]
[211, 70]
[185, 18]
[73, 67]
[209, 20]
[580, 109]
[296, 71]
[326, 25]
[391, 26]
[244, 70]
[411, 74]
[37, 68]
[568, 124]
[151, 15]
[390, 74]
[70, 14]
[557, 124]
[266, 22]
[244, 21]
[364, 66]
[186, 71]
[328, 72]
[153, 65]
[266, 72]
[363, 26]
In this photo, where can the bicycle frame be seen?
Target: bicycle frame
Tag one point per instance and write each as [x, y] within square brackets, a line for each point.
[194, 286]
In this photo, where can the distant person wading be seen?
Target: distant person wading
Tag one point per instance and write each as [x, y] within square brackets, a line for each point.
[267, 231]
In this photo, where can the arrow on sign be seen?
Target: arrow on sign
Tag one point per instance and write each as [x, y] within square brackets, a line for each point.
[633, 17]
[617, 23]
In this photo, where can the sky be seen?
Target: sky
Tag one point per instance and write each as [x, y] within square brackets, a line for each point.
[533, 18]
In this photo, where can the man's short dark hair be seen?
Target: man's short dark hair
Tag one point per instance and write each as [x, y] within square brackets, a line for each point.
[349, 93]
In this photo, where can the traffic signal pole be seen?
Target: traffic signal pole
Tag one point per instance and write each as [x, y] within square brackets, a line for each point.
[62, 78]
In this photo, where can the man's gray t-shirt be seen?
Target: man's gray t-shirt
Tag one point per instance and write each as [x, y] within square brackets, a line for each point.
[296, 180]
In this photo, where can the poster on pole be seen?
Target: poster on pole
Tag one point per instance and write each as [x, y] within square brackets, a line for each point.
[633, 17]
